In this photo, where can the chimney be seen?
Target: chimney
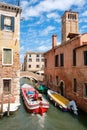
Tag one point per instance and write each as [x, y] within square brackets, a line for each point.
[54, 40]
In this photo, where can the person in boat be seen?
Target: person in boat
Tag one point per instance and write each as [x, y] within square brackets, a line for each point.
[35, 95]
[30, 94]
[40, 97]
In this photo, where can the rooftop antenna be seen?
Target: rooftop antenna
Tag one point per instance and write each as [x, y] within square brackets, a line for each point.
[18, 2]
[70, 10]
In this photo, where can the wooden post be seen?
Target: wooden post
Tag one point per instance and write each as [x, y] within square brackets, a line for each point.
[1, 113]
[8, 112]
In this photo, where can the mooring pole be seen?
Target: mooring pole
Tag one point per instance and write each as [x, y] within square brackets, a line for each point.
[1, 113]
[8, 112]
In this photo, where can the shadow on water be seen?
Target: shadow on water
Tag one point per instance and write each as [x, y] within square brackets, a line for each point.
[82, 117]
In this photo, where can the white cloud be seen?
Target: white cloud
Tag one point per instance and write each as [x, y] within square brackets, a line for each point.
[22, 48]
[47, 30]
[84, 13]
[24, 4]
[43, 48]
[55, 16]
[48, 6]
[83, 20]
[85, 26]
[21, 57]
[58, 43]
[52, 15]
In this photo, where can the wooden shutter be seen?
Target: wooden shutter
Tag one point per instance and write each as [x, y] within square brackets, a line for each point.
[2, 22]
[85, 57]
[12, 23]
[7, 56]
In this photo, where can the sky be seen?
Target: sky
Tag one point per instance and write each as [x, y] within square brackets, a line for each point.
[40, 19]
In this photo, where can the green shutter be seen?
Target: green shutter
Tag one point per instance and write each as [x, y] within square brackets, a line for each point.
[12, 23]
[7, 56]
[2, 22]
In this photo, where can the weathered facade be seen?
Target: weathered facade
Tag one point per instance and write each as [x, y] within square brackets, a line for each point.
[66, 68]
[9, 52]
[34, 61]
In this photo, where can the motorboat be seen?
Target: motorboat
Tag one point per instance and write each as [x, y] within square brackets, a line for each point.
[41, 88]
[62, 102]
[37, 105]
[9, 107]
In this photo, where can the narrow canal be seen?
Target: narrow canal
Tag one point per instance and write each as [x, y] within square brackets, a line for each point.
[54, 119]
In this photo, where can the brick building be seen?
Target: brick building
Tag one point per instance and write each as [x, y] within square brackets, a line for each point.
[66, 65]
[9, 52]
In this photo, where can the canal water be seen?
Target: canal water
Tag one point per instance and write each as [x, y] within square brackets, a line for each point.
[54, 119]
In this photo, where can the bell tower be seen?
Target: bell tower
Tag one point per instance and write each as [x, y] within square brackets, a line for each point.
[69, 25]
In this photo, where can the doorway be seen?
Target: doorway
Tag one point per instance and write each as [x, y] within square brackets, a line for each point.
[61, 87]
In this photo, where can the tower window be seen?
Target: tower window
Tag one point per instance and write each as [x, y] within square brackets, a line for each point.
[71, 16]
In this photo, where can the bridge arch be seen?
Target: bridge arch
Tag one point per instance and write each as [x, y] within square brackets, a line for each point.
[31, 75]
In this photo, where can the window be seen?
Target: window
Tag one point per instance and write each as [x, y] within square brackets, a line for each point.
[71, 16]
[45, 77]
[37, 55]
[7, 86]
[37, 60]
[37, 66]
[42, 55]
[62, 59]
[74, 57]
[29, 66]
[85, 90]
[7, 23]
[45, 62]
[30, 60]
[56, 61]
[7, 56]
[56, 80]
[42, 59]
[42, 67]
[50, 79]
[85, 57]
[74, 85]
[29, 55]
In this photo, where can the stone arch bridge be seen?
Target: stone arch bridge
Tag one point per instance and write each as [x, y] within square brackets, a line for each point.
[31, 75]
